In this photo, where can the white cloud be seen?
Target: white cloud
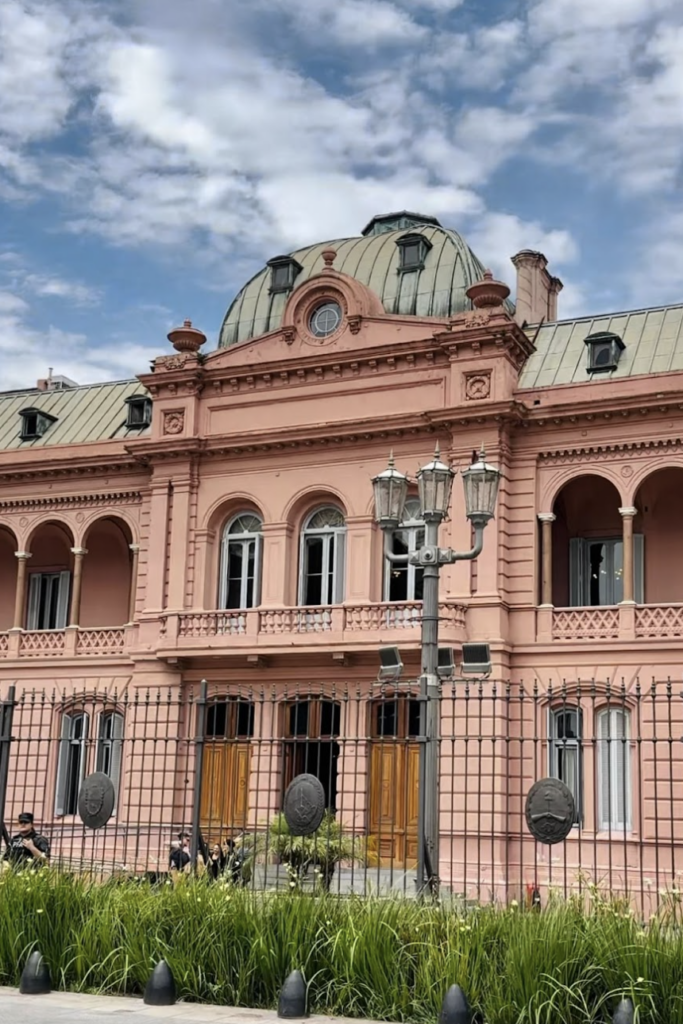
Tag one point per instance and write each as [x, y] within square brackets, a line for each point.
[352, 22]
[26, 352]
[56, 287]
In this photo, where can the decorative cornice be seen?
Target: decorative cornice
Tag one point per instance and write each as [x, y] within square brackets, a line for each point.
[71, 501]
[611, 452]
[61, 468]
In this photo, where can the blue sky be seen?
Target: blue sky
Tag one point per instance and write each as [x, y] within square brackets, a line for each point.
[154, 153]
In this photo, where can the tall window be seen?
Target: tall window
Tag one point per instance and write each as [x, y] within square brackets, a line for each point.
[321, 574]
[110, 747]
[48, 600]
[72, 759]
[565, 735]
[240, 576]
[596, 570]
[310, 744]
[614, 769]
[404, 582]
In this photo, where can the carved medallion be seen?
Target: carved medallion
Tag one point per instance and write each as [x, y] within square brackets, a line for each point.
[550, 811]
[304, 805]
[174, 422]
[96, 799]
[477, 386]
[626, 471]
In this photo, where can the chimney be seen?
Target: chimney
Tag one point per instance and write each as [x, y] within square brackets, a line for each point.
[537, 290]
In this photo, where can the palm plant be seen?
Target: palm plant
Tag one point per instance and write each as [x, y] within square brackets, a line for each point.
[322, 850]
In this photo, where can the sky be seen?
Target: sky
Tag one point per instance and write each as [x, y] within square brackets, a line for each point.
[155, 153]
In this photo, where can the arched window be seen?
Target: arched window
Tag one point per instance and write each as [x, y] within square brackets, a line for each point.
[404, 582]
[72, 761]
[110, 747]
[240, 574]
[614, 769]
[321, 572]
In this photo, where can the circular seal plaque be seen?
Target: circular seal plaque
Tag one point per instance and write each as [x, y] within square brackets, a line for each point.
[304, 805]
[550, 811]
[96, 799]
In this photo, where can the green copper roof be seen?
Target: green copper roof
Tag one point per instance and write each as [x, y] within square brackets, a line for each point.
[450, 267]
[95, 412]
[653, 343]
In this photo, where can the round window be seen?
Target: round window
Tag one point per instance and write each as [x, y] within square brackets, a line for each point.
[325, 319]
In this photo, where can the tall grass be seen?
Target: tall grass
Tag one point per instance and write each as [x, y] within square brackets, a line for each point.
[389, 959]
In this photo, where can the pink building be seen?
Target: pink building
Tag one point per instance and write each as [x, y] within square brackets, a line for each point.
[213, 519]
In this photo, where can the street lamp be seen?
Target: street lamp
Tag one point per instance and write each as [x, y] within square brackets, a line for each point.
[435, 482]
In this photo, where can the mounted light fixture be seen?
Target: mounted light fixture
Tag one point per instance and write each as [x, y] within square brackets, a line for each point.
[481, 482]
[445, 663]
[435, 482]
[391, 665]
[476, 660]
[391, 488]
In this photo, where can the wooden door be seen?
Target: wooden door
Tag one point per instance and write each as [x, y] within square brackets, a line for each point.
[394, 775]
[394, 782]
[225, 790]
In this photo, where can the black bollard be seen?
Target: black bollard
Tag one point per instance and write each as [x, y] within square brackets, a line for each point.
[35, 977]
[160, 989]
[455, 1008]
[292, 1001]
[623, 1013]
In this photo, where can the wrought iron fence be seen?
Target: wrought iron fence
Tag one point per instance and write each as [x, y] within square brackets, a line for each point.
[214, 761]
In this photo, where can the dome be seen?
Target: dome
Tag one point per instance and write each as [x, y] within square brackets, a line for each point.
[435, 285]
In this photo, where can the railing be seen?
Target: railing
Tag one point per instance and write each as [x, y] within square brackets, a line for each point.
[63, 643]
[344, 620]
[199, 624]
[100, 641]
[585, 623]
[659, 620]
[363, 745]
[42, 643]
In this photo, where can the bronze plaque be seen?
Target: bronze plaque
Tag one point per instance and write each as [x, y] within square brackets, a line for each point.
[304, 805]
[96, 799]
[550, 811]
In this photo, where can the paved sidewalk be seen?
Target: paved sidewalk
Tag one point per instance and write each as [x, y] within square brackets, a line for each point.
[63, 1007]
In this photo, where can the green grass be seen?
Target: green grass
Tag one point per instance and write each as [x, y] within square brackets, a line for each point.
[387, 959]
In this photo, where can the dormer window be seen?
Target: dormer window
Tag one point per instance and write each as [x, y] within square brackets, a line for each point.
[139, 412]
[604, 351]
[34, 423]
[283, 273]
[413, 251]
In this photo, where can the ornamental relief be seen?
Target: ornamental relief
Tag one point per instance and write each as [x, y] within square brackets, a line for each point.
[173, 422]
[477, 385]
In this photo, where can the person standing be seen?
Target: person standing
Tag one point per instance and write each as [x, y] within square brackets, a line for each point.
[27, 847]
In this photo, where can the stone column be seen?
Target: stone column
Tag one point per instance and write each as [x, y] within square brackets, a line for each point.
[627, 514]
[75, 610]
[135, 548]
[546, 519]
[20, 592]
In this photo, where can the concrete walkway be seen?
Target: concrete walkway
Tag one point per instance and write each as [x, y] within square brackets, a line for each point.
[63, 1007]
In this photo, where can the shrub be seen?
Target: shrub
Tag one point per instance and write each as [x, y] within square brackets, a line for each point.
[387, 959]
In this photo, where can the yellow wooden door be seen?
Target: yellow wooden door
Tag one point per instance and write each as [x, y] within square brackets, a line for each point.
[394, 802]
[224, 807]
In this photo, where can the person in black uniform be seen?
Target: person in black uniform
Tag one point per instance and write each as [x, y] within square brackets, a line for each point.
[179, 861]
[27, 848]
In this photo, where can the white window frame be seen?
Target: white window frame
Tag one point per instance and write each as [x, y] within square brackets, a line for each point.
[410, 529]
[244, 539]
[66, 743]
[555, 744]
[110, 748]
[333, 557]
[61, 580]
[611, 748]
[579, 568]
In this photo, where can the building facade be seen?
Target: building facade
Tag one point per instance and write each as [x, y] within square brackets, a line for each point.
[213, 519]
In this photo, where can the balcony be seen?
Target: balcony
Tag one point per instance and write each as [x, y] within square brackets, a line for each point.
[63, 643]
[615, 622]
[358, 625]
